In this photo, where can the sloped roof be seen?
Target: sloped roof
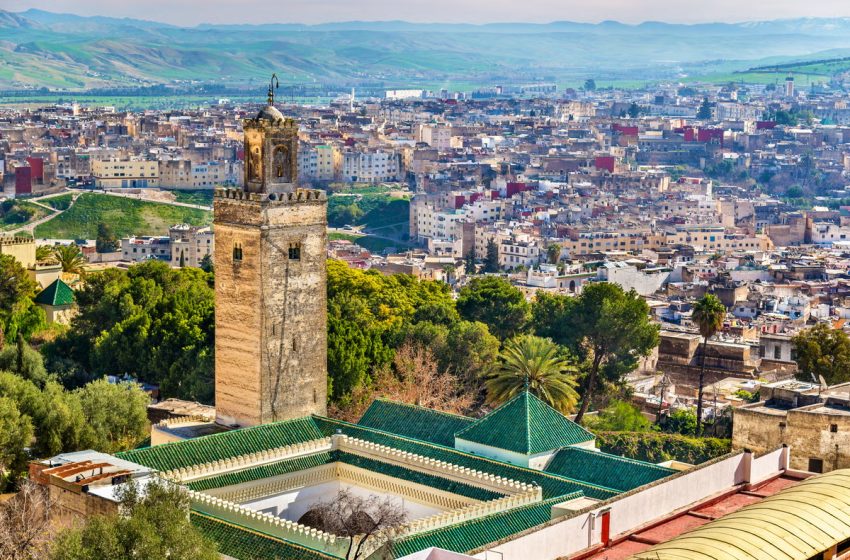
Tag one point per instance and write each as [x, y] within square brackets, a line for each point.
[471, 534]
[56, 294]
[526, 425]
[225, 445]
[601, 468]
[794, 524]
[551, 484]
[414, 421]
[247, 544]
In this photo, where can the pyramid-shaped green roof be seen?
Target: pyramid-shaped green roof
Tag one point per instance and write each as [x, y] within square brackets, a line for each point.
[56, 294]
[526, 425]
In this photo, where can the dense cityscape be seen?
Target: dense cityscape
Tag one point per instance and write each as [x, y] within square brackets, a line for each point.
[521, 320]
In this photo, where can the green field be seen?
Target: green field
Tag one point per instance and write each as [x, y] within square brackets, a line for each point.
[127, 216]
[17, 213]
[58, 202]
[201, 197]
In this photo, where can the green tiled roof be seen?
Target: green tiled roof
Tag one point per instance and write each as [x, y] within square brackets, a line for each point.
[310, 461]
[214, 447]
[526, 425]
[264, 471]
[433, 481]
[246, 544]
[56, 294]
[469, 535]
[604, 469]
[552, 485]
[414, 421]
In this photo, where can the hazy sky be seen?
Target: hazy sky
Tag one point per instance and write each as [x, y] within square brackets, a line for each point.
[191, 12]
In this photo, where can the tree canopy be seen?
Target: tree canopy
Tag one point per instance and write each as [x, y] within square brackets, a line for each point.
[823, 351]
[154, 524]
[607, 328]
[151, 322]
[496, 303]
[537, 365]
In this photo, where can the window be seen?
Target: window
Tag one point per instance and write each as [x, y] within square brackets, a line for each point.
[815, 465]
[833, 428]
[777, 352]
[237, 252]
[294, 251]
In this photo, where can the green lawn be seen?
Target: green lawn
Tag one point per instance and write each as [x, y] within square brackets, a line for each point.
[16, 213]
[127, 216]
[202, 197]
[58, 202]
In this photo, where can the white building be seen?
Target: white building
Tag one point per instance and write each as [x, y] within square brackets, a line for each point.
[371, 167]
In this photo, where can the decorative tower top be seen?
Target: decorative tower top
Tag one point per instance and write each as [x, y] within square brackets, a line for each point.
[271, 149]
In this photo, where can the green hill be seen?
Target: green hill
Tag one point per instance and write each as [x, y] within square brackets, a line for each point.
[127, 216]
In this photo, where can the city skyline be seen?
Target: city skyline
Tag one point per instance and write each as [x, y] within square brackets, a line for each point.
[187, 13]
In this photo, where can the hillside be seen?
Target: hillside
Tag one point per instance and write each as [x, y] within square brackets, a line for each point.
[127, 216]
[65, 51]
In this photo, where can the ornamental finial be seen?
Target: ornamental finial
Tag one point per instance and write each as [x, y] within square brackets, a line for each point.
[274, 83]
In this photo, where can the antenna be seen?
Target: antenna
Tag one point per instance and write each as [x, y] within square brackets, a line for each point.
[274, 84]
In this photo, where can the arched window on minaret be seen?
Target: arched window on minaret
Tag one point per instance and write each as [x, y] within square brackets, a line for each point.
[237, 252]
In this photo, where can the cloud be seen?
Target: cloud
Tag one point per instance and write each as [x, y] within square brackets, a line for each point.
[192, 12]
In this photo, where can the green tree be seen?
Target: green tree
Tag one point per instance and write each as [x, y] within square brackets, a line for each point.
[634, 110]
[116, 413]
[469, 262]
[151, 322]
[496, 303]
[15, 435]
[206, 264]
[704, 112]
[536, 364]
[44, 253]
[553, 253]
[18, 313]
[619, 416]
[29, 364]
[107, 241]
[823, 352]
[708, 314]
[71, 258]
[491, 260]
[154, 524]
[607, 328]
[682, 421]
[590, 84]
[56, 415]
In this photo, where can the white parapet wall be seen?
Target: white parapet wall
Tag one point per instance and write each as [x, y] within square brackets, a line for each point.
[571, 534]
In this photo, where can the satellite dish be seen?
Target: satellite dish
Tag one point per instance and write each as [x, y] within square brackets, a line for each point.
[823, 384]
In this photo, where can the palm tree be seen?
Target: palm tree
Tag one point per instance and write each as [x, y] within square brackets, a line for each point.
[44, 253]
[71, 258]
[534, 363]
[708, 314]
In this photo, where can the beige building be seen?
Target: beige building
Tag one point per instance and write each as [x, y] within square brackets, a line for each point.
[190, 244]
[813, 421]
[115, 174]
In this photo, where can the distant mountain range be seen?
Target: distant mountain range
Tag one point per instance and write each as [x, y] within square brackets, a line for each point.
[45, 49]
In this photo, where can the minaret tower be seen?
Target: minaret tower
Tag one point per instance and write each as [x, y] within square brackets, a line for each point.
[270, 283]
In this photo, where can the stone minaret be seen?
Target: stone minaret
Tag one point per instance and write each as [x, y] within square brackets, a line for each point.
[270, 284]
